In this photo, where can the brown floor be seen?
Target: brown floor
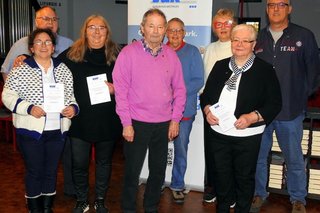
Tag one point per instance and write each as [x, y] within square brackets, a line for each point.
[12, 190]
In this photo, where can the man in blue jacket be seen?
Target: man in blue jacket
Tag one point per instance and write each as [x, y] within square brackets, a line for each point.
[293, 52]
[193, 74]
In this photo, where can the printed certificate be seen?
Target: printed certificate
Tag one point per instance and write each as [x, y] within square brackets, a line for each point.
[98, 89]
[225, 116]
[53, 97]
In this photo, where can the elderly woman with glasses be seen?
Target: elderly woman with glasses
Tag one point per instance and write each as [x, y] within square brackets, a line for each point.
[222, 24]
[242, 95]
[91, 60]
[40, 95]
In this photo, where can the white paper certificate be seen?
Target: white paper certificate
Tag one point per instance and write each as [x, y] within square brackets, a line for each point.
[226, 116]
[98, 90]
[53, 97]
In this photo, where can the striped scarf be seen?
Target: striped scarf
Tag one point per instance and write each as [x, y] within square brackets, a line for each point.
[232, 81]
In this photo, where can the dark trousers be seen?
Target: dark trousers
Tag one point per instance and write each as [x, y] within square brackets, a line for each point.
[209, 177]
[68, 187]
[154, 137]
[234, 165]
[41, 158]
[80, 166]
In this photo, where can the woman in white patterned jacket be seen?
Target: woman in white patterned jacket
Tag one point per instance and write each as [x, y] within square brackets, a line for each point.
[40, 94]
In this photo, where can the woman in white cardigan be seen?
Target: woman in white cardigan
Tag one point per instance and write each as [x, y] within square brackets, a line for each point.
[40, 95]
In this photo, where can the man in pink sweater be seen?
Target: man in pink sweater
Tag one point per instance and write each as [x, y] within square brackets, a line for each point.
[150, 95]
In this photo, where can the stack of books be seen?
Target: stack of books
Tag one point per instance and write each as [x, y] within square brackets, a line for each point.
[277, 172]
[275, 145]
[314, 181]
[276, 176]
[305, 141]
[315, 148]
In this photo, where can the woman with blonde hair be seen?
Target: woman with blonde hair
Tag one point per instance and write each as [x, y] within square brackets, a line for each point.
[222, 24]
[90, 58]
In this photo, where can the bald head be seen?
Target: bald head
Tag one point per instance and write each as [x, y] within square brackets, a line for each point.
[46, 18]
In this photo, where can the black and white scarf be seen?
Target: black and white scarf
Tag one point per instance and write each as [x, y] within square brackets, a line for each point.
[232, 81]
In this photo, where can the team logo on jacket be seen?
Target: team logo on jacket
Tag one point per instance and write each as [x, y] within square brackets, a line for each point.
[291, 48]
[299, 43]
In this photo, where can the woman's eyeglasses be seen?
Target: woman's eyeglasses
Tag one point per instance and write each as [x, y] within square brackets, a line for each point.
[226, 24]
[178, 31]
[93, 28]
[40, 43]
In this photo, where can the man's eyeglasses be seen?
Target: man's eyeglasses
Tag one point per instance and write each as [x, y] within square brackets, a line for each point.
[48, 19]
[226, 24]
[178, 31]
[40, 43]
[280, 5]
[93, 28]
[243, 42]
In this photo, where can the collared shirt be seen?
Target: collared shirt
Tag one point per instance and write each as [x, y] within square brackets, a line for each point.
[149, 50]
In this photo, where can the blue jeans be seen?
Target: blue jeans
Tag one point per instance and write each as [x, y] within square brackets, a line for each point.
[41, 158]
[180, 155]
[289, 135]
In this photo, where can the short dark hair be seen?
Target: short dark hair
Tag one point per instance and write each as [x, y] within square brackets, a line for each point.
[36, 32]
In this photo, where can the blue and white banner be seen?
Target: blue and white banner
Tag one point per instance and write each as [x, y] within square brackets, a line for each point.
[197, 16]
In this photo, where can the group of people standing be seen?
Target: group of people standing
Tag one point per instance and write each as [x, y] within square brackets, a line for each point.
[254, 85]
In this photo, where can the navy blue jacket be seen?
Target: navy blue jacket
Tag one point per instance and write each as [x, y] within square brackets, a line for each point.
[296, 61]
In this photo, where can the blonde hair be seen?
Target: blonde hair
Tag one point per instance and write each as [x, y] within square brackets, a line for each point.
[78, 49]
[225, 12]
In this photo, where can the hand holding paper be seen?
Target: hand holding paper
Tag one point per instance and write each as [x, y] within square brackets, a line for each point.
[225, 115]
[53, 97]
[98, 90]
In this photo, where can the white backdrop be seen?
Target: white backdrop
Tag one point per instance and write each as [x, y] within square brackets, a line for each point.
[196, 15]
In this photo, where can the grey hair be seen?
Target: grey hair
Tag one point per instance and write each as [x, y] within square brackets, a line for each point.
[177, 20]
[151, 12]
[247, 27]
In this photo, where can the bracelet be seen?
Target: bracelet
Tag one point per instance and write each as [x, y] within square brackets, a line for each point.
[258, 115]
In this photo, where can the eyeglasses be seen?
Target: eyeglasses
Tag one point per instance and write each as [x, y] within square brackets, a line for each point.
[40, 43]
[226, 24]
[178, 31]
[48, 19]
[280, 5]
[243, 42]
[93, 28]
